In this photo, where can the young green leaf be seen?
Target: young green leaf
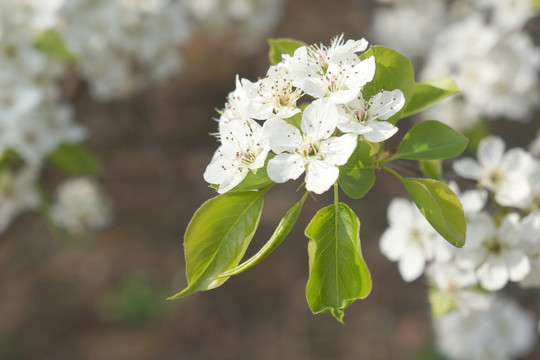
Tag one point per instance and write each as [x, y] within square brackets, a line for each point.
[441, 302]
[428, 92]
[75, 159]
[279, 47]
[440, 206]
[51, 43]
[282, 230]
[431, 168]
[357, 176]
[431, 140]
[338, 274]
[392, 71]
[217, 238]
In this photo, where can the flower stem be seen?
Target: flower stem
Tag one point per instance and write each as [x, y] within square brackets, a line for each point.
[393, 172]
[336, 194]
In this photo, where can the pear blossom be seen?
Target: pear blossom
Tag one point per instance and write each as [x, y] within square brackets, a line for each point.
[245, 103]
[80, 207]
[334, 71]
[411, 240]
[316, 58]
[313, 150]
[367, 118]
[277, 92]
[495, 253]
[505, 174]
[243, 149]
[341, 82]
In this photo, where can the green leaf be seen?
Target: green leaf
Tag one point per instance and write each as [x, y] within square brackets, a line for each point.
[536, 5]
[393, 71]
[279, 47]
[295, 120]
[282, 230]
[75, 159]
[338, 274]
[357, 176]
[440, 206]
[217, 238]
[51, 43]
[431, 168]
[431, 140]
[428, 92]
[442, 302]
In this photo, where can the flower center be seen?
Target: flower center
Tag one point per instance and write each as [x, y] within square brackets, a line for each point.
[494, 247]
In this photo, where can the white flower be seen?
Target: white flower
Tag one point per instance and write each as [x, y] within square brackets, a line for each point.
[336, 71]
[314, 150]
[340, 82]
[245, 103]
[242, 149]
[276, 91]
[411, 240]
[496, 254]
[80, 207]
[317, 58]
[504, 174]
[367, 117]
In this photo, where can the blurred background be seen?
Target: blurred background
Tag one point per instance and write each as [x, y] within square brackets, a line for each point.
[103, 296]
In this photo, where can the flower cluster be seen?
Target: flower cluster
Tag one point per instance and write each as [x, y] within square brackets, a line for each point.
[123, 46]
[312, 138]
[501, 246]
[480, 44]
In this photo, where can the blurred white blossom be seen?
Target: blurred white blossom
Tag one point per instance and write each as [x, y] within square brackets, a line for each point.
[18, 193]
[80, 207]
[503, 331]
[123, 45]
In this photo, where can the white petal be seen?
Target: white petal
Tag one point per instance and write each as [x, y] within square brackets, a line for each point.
[490, 152]
[285, 167]
[385, 104]
[339, 149]
[412, 264]
[320, 176]
[493, 274]
[518, 264]
[400, 213]
[312, 85]
[361, 73]
[281, 136]
[468, 168]
[231, 179]
[473, 201]
[381, 130]
[392, 243]
[355, 128]
[320, 119]
[344, 96]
